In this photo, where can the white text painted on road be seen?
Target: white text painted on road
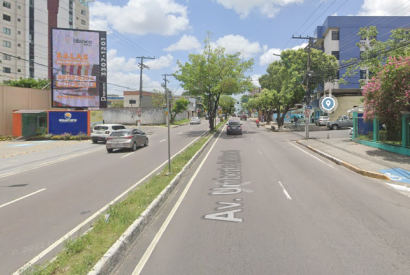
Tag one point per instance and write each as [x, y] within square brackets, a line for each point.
[19, 199]
[284, 191]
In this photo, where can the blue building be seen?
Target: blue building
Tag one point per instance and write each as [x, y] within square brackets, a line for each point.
[338, 36]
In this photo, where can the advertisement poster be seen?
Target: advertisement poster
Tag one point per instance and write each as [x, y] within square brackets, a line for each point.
[96, 117]
[79, 68]
[60, 122]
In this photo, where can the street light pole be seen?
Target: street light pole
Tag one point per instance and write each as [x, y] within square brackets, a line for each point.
[168, 122]
[142, 66]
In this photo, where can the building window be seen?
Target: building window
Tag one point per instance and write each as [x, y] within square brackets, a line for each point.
[6, 70]
[362, 74]
[31, 3]
[335, 35]
[6, 57]
[83, 12]
[18, 19]
[18, 70]
[83, 22]
[6, 4]
[6, 44]
[19, 7]
[6, 17]
[18, 32]
[337, 74]
[6, 30]
[336, 54]
[18, 45]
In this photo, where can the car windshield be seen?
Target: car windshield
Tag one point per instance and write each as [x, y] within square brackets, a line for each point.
[98, 128]
[118, 127]
[194, 118]
[121, 134]
[340, 118]
[233, 123]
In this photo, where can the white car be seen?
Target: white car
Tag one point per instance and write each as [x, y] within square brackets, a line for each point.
[101, 132]
[195, 120]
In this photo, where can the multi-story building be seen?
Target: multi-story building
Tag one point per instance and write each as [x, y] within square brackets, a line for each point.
[338, 36]
[24, 50]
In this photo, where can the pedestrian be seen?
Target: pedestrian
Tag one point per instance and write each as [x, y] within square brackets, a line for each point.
[296, 121]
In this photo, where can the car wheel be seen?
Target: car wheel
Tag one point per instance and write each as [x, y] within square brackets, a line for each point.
[334, 127]
[146, 142]
[109, 150]
[134, 146]
[94, 140]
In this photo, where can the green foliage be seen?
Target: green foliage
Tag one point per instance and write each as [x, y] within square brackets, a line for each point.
[158, 99]
[285, 82]
[212, 74]
[117, 104]
[227, 103]
[375, 52]
[180, 105]
[29, 83]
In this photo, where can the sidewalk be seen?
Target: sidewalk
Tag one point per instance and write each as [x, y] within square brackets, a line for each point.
[362, 159]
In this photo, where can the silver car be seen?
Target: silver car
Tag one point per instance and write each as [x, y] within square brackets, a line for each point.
[322, 120]
[127, 139]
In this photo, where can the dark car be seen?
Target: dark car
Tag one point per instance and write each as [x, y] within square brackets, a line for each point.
[244, 117]
[234, 127]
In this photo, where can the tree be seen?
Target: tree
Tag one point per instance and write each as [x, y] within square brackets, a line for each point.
[286, 79]
[212, 74]
[387, 94]
[29, 83]
[158, 99]
[376, 52]
[178, 107]
[227, 103]
[117, 104]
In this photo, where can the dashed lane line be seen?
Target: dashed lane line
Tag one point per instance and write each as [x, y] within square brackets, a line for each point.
[19, 199]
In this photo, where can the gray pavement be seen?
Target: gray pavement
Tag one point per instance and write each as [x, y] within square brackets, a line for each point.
[296, 213]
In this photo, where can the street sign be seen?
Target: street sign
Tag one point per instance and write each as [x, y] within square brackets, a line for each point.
[328, 103]
[308, 107]
[138, 111]
[166, 113]
[260, 112]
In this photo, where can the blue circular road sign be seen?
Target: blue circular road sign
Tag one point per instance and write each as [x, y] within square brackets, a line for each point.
[328, 103]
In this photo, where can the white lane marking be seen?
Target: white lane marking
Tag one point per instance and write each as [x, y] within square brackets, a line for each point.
[47, 164]
[181, 133]
[19, 199]
[260, 152]
[311, 155]
[399, 187]
[163, 140]
[78, 227]
[164, 226]
[127, 155]
[284, 191]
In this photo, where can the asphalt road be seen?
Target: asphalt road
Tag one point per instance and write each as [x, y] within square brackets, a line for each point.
[46, 194]
[287, 211]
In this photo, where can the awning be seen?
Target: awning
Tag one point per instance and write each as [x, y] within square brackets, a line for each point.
[29, 111]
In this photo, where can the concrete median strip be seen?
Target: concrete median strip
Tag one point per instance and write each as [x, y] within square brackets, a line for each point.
[347, 165]
[114, 254]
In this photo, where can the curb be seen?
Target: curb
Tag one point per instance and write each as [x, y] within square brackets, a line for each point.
[113, 256]
[347, 165]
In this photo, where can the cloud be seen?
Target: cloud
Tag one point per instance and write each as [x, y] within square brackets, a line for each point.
[186, 43]
[160, 63]
[268, 8]
[119, 63]
[255, 80]
[267, 57]
[382, 7]
[140, 17]
[237, 43]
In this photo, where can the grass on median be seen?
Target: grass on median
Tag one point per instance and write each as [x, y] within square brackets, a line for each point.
[80, 255]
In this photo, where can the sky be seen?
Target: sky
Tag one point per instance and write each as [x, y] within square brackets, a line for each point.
[170, 30]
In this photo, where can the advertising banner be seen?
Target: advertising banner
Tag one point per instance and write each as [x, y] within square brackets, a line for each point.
[79, 68]
[96, 117]
[67, 122]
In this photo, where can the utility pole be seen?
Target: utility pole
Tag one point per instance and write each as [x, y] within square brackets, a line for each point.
[142, 66]
[308, 73]
[168, 113]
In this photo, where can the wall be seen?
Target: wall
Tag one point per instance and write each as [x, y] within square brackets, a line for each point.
[129, 116]
[345, 103]
[13, 98]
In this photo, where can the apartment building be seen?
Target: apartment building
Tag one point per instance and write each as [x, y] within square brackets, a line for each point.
[338, 36]
[25, 39]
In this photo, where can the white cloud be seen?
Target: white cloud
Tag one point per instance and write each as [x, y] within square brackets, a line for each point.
[140, 17]
[255, 80]
[119, 63]
[267, 57]
[382, 7]
[186, 43]
[160, 63]
[268, 8]
[237, 43]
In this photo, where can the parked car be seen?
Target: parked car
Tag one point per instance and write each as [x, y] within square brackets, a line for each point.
[351, 131]
[244, 117]
[322, 120]
[101, 132]
[195, 120]
[128, 139]
[341, 122]
[234, 127]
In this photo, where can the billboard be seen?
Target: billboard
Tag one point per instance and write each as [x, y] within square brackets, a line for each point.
[79, 68]
[73, 122]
